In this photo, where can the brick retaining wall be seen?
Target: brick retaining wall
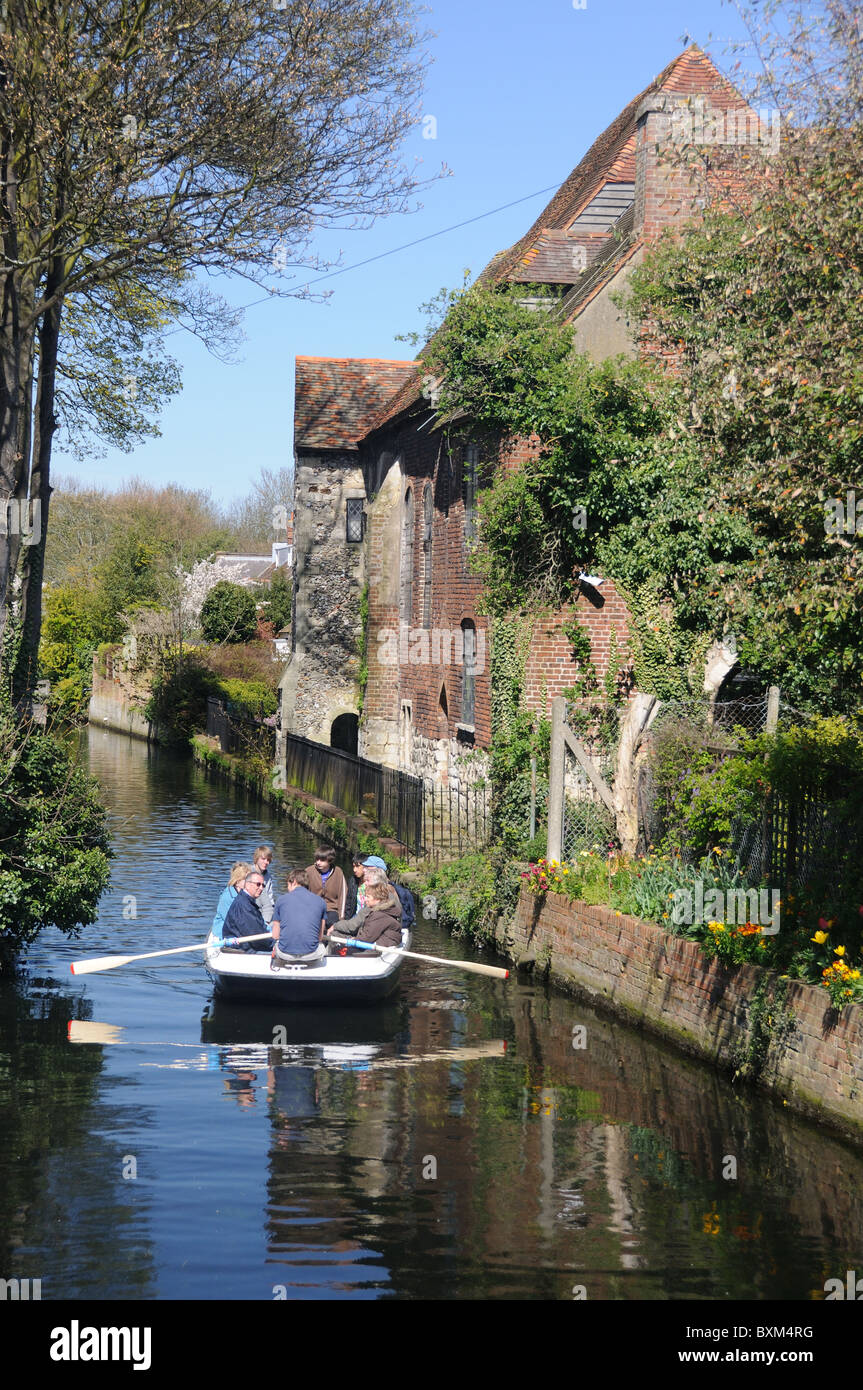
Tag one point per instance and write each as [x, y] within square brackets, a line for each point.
[810, 1058]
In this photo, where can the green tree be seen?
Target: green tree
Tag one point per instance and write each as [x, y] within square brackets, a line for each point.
[229, 613]
[141, 143]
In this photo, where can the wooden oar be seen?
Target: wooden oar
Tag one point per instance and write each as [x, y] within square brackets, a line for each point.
[87, 967]
[494, 970]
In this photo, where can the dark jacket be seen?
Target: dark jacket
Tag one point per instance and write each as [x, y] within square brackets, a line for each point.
[383, 924]
[353, 889]
[408, 902]
[244, 919]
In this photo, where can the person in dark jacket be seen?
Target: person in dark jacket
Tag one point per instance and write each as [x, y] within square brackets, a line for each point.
[406, 897]
[244, 916]
[379, 921]
[355, 883]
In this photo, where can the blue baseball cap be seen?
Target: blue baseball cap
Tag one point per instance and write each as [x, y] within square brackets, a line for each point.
[374, 861]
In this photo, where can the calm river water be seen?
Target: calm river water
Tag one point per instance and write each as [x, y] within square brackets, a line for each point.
[453, 1144]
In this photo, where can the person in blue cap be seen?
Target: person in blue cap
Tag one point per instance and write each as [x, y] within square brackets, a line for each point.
[405, 896]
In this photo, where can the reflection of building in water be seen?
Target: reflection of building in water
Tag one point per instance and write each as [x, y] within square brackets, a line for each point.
[436, 1164]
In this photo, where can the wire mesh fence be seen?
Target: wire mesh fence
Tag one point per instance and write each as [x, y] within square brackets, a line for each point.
[588, 822]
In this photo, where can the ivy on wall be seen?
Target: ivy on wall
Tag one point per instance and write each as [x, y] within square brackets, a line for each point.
[510, 643]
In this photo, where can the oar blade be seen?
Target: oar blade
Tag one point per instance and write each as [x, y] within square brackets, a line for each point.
[87, 967]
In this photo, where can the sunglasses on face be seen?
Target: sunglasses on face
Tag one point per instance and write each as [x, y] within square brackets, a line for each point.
[254, 883]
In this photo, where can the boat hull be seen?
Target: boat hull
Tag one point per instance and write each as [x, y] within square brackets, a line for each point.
[339, 980]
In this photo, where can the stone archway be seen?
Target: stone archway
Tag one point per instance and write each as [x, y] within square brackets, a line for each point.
[344, 733]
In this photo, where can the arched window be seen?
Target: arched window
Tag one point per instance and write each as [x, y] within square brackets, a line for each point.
[406, 598]
[468, 688]
[428, 518]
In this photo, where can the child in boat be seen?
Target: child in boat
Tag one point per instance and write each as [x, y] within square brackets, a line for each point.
[267, 901]
[327, 880]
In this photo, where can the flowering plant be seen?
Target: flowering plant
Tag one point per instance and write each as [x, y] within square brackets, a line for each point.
[546, 876]
[842, 982]
[737, 944]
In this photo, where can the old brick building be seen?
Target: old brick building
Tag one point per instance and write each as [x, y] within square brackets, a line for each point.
[386, 452]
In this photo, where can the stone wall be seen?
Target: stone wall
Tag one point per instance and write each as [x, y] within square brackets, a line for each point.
[113, 706]
[794, 1045]
[319, 682]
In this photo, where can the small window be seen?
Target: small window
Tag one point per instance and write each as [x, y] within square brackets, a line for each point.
[468, 689]
[355, 519]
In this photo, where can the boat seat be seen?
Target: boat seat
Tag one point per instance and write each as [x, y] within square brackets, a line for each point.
[282, 960]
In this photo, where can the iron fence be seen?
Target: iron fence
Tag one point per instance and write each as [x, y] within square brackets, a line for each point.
[456, 819]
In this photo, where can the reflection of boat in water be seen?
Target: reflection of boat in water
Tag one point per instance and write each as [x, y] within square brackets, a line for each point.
[364, 978]
[228, 1023]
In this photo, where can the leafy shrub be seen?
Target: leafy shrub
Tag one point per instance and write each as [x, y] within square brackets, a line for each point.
[229, 613]
[252, 698]
[178, 697]
[243, 661]
[54, 847]
[474, 891]
[277, 604]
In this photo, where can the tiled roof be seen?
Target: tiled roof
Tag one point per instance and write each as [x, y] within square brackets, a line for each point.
[611, 157]
[337, 398]
[550, 247]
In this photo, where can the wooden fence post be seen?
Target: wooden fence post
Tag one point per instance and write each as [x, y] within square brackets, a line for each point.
[555, 778]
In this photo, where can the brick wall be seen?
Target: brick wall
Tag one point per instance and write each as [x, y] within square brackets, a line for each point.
[667, 985]
[426, 674]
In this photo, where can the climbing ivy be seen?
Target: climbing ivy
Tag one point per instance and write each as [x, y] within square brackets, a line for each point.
[510, 643]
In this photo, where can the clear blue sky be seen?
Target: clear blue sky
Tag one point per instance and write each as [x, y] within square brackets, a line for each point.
[519, 93]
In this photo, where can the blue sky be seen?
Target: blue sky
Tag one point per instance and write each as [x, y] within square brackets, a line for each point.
[518, 94]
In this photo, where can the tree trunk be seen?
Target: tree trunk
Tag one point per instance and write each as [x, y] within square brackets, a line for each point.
[33, 562]
[640, 713]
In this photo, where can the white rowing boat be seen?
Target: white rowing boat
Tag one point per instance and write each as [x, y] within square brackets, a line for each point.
[251, 976]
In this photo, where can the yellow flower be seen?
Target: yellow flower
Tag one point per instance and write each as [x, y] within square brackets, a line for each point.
[839, 950]
[855, 974]
[820, 937]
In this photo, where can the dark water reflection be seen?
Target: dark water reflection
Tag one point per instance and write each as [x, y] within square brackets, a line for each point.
[453, 1144]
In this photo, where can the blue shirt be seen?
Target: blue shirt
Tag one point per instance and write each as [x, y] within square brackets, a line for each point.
[299, 915]
[225, 901]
